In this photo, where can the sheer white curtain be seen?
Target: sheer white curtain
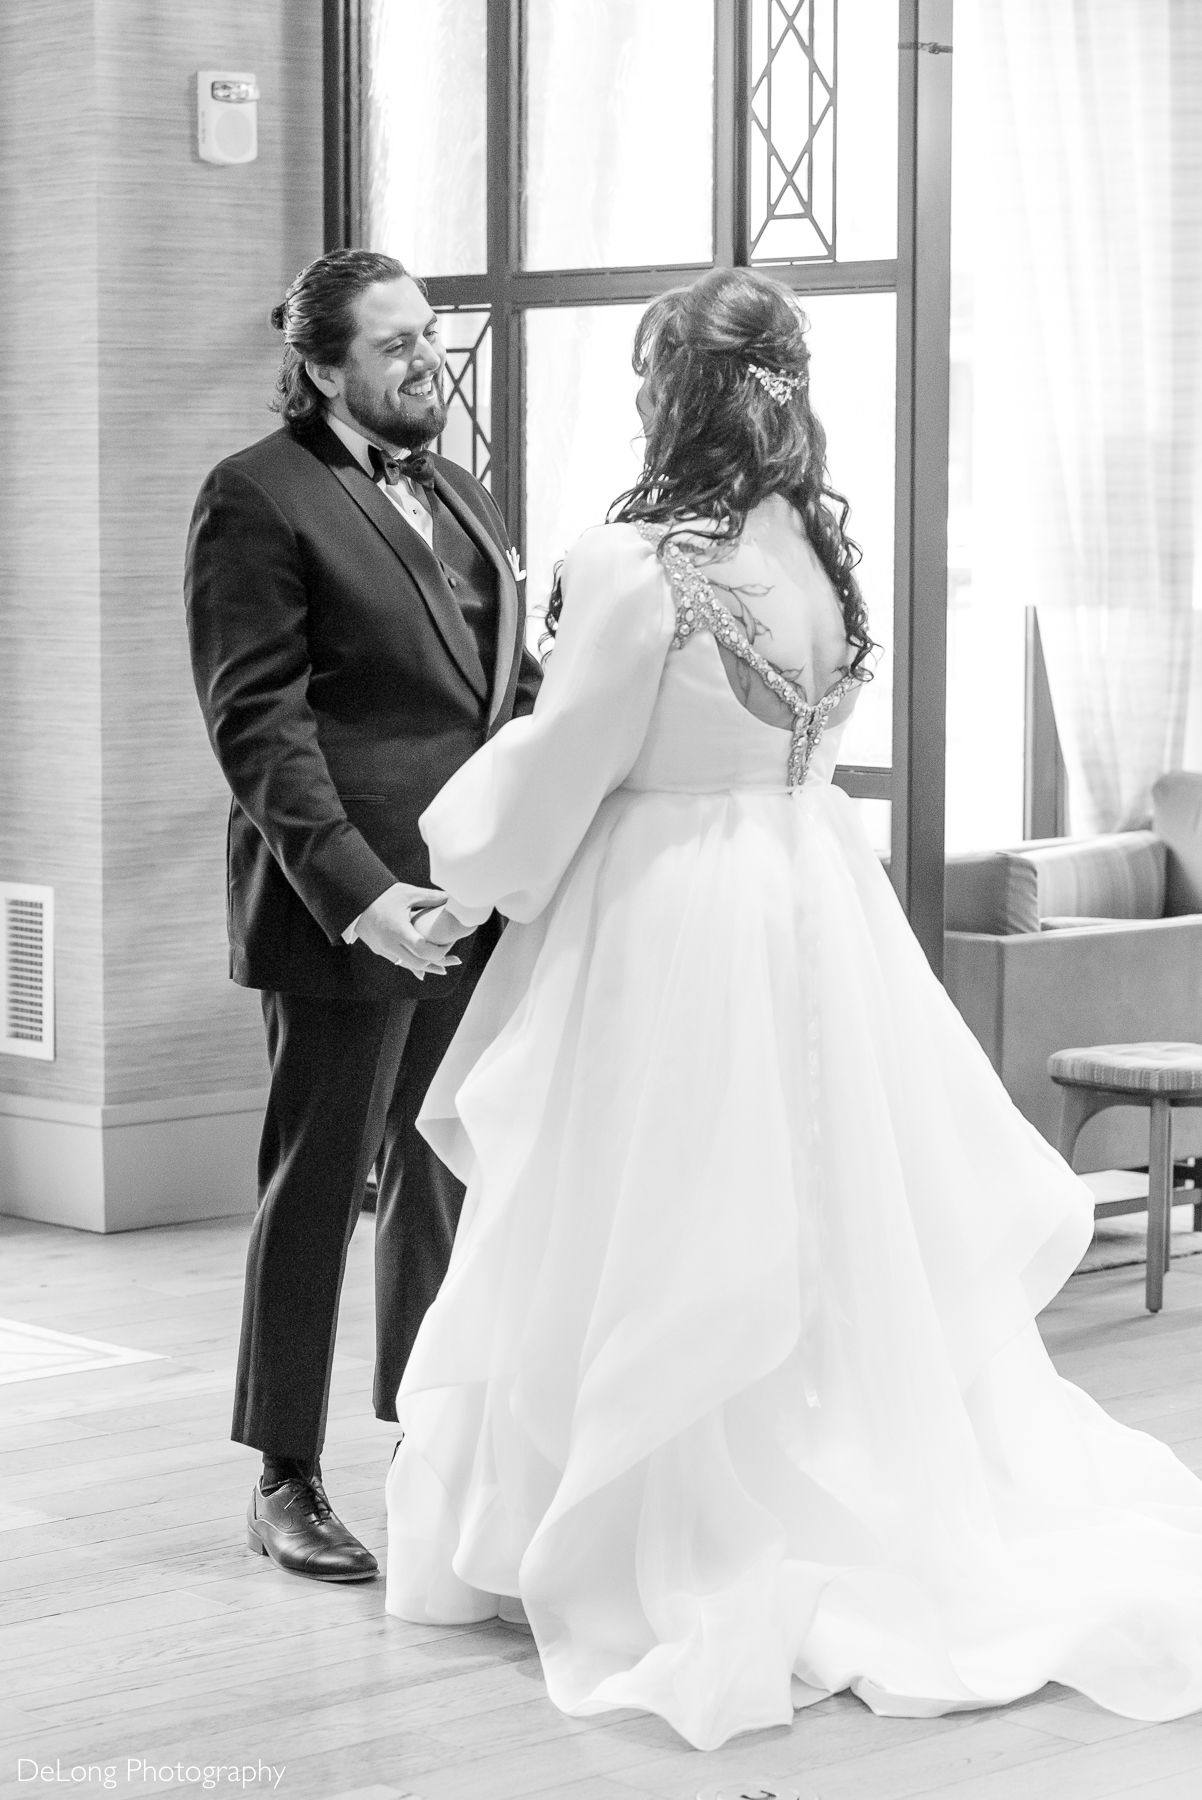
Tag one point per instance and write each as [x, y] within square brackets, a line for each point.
[424, 134]
[619, 125]
[1087, 268]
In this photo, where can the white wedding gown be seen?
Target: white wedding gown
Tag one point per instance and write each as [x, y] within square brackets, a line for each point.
[734, 1381]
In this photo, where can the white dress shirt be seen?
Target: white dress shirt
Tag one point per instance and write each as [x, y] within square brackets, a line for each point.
[403, 494]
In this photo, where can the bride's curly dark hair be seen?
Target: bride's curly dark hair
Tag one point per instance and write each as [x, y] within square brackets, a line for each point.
[720, 442]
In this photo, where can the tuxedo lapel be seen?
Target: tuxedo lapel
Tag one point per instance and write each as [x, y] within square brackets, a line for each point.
[510, 612]
[419, 560]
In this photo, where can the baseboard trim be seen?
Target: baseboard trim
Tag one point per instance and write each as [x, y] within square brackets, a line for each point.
[131, 1165]
[133, 1112]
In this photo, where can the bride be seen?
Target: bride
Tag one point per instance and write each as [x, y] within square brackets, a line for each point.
[734, 1384]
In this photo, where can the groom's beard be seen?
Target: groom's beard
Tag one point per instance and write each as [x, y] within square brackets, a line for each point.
[401, 420]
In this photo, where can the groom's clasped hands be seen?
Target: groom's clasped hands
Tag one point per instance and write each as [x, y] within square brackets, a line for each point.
[412, 927]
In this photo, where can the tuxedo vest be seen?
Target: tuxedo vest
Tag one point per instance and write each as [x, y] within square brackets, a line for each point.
[472, 581]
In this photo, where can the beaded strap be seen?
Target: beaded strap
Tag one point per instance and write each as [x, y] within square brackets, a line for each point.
[698, 608]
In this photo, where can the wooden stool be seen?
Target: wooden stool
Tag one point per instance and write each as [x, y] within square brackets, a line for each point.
[1159, 1076]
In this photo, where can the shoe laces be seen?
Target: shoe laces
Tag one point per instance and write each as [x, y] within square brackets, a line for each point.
[312, 1497]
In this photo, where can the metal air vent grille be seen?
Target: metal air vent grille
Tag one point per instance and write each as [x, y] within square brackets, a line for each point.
[26, 970]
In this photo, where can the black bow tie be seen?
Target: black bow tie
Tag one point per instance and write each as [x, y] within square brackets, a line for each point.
[414, 467]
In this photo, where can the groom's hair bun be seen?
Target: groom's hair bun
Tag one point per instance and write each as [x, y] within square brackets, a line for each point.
[317, 318]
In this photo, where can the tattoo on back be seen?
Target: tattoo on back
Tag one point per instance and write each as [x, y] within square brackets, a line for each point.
[737, 601]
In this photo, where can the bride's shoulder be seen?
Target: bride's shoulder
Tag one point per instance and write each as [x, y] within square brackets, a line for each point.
[613, 546]
[611, 573]
[615, 557]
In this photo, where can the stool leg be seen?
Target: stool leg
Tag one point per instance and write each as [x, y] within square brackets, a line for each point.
[1079, 1106]
[1168, 1205]
[1160, 1185]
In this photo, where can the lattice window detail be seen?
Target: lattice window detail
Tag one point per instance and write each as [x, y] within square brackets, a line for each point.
[792, 151]
[467, 388]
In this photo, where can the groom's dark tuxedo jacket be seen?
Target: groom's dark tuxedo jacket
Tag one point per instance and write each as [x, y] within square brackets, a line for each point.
[341, 685]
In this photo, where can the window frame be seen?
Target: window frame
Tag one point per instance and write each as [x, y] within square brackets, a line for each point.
[919, 276]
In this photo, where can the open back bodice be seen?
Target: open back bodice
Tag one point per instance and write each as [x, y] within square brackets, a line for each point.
[701, 737]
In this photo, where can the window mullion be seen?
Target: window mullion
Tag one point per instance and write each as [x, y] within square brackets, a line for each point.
[599, 287]
[920, 581]
[503, 128]
[342, 85]
[730, 203]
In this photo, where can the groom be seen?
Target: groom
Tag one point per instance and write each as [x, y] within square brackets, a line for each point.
[356, 633]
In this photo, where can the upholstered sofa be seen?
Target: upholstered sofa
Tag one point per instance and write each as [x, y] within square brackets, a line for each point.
[1063, 942]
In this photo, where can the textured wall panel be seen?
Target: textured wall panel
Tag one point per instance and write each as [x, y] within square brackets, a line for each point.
[50, 733]
[192, 257]
[153, 274]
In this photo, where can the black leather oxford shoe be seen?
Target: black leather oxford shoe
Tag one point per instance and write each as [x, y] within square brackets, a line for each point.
[297, 1527]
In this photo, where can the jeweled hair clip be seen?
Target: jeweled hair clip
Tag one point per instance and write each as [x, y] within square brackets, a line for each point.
[779, 387]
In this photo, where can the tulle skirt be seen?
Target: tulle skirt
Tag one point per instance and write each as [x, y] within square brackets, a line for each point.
[734, 1381]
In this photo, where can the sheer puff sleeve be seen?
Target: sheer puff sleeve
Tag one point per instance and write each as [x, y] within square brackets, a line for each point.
[505, 827]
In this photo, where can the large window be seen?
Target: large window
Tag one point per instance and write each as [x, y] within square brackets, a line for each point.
[550, 166]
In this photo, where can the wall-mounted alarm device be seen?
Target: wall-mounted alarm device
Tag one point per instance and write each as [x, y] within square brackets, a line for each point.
[227, 116]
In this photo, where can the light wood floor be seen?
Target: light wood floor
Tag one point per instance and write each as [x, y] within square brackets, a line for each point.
[135, 1625]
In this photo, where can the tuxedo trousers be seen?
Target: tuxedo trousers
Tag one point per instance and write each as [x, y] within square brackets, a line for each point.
[347, 1080]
